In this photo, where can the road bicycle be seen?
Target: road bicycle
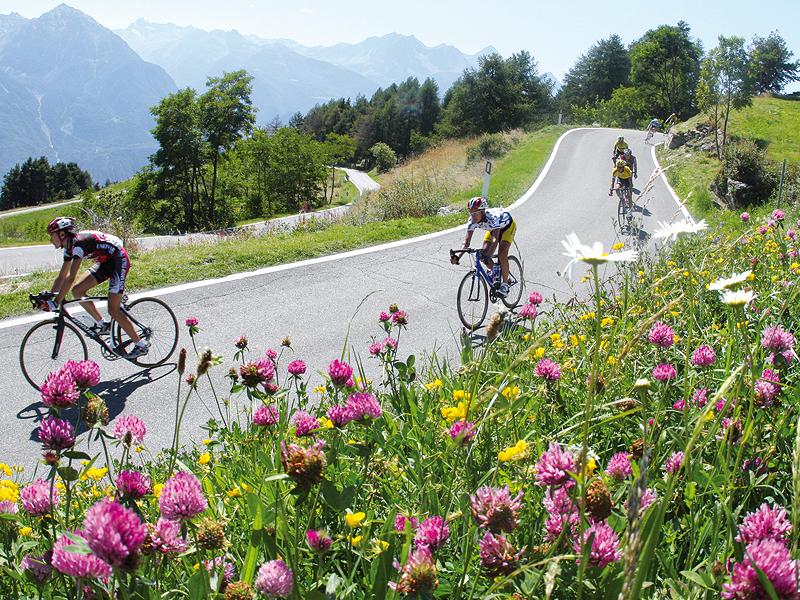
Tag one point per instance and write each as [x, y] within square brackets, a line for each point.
[651, 131]
[624, 206]
[478, 288]
[48, 345]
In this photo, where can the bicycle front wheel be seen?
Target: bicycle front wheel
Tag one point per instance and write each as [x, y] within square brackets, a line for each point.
[40, 353]
[155, 322]
[473, 300]
[516, 283]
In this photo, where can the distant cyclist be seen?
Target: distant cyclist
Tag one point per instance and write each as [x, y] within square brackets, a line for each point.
[619, 147]
[670, 121]
[500, 229]
[111, 264]
[630, 160]
[622, 174]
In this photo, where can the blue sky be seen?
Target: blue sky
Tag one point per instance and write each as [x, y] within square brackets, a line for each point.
[556, 33]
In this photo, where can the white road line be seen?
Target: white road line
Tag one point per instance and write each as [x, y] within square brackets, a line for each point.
[311, 261]
[675, 197]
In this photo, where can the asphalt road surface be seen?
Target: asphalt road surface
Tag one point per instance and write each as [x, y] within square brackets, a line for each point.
[330, 304]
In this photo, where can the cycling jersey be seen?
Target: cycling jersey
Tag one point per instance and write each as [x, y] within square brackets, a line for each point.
[93, 244]
[620, 147]
[112, 259]
[623, 173]
[493, 218]
[655, 123]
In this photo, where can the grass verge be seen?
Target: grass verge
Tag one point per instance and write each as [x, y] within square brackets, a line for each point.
[158, 268]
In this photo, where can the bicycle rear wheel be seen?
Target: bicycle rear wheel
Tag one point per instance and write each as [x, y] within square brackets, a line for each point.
[516, 283]
[472, 300]
[622, 217]
[40, 354]
[155, 322]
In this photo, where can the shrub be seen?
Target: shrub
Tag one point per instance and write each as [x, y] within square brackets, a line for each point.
[385, 157]
[744, 162]
[490, 145]
[406, 197]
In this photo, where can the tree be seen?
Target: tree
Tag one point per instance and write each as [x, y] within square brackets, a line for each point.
[429, 106]
[665, 66]
[596, 74]
[384, 156]
[295, 169]
[338, 149]
[770, 64]
[728, 82]
[708, 96]
[226, 114]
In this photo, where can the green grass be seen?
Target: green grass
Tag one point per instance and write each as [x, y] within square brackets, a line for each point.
[31, 228]
[773, 123]
[512, 175]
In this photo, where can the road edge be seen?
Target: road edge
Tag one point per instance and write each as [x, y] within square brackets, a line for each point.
[681, 205]
[15, 321]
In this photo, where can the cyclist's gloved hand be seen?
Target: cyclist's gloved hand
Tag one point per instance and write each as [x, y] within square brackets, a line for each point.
[610, 192]
[454, 259]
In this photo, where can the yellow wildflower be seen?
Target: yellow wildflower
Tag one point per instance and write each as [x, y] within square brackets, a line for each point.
[26, 532]
[9, 491]
[380, 546]
[454, 413]
[246, 487]
[95, 473]
[607, 322]
[325, 423]
[461, 395]
[204, 459]
[234, 492]
[539, 352]
[591, 465]
[587, 316]
[611, 360]
[355, 541]
[709, 416]
[5, 469]
[555, 338]
[207, 441]
[436, 384]
[618, 246]
[641, 274]
[355, 519]
[515, 452]
[320, 389]
[511, 392]
[157, 489]
[527, 337]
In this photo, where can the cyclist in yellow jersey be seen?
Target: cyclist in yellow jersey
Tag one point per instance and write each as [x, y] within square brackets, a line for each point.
[622, 173]
[619, 147]
[670, 121]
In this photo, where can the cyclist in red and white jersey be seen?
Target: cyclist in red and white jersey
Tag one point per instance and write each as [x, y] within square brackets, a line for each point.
[112, 264]
[500, 229]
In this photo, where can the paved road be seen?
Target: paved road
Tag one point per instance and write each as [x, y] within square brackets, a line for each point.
[20, 260]
[323, 304]
[362, 181]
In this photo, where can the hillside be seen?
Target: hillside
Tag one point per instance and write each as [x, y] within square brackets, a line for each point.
[773, 123]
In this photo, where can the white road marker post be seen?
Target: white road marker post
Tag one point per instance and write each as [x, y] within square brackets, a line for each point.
[487, 175]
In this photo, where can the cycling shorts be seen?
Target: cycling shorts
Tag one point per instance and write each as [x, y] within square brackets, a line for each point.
[506, 233]
[115, 270]
[625, 183]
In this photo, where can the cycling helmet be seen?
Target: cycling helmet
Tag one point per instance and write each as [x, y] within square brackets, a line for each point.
[476, 203]
[621, 138]
[66, 224]
[627, 152]
[620, 164]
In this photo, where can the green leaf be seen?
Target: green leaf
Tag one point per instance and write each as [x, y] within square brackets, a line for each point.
[199, 587]
[68, 473]
[75, 455]
[255, 510]
[701, 579]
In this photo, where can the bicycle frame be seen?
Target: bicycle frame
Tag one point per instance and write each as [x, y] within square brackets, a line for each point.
[64, 315]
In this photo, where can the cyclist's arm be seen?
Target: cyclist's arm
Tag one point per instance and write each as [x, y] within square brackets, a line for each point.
[66, 277]
[468, 238]
[635, 167]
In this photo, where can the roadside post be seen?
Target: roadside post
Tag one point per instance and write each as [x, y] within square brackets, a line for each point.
[780, 186]
[487, 175]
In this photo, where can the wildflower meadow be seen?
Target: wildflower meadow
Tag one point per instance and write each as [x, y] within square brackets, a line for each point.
[640, 441]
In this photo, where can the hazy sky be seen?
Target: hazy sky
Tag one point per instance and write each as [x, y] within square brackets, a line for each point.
[556, 32]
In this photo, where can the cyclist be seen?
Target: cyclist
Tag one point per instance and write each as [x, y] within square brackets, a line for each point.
[670, 121]
[111, 264]
[619, 147]
[500, 229]
[623, 174]
[630, 160]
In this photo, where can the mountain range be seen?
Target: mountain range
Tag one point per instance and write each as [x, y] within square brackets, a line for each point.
[73, 90]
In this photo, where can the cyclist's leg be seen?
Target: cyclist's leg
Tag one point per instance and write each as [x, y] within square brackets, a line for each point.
[79, 290]
[489, 244]
[116, 288]
[506, 237]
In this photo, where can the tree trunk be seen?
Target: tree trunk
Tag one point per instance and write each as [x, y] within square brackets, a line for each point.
[725, 125]
[213, 188]
[716, 127]
[333, 183]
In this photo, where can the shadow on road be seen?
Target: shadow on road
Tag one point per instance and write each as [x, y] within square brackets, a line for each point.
[115, 392]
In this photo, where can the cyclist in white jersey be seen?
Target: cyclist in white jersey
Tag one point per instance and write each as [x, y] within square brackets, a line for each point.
[500, 228]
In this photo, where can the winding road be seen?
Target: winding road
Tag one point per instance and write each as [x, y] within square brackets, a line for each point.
[331, 303]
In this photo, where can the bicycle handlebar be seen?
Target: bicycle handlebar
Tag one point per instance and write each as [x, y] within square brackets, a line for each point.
[465, 251]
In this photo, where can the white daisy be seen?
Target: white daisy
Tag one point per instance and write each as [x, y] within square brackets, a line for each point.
[737, 297]
[591, 255]
[734, 280]
[673, 230]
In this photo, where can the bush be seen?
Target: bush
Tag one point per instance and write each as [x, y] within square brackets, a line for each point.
[406, 197]
[109, 211]
[743, 162]
[385, 157]
[490, 145]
